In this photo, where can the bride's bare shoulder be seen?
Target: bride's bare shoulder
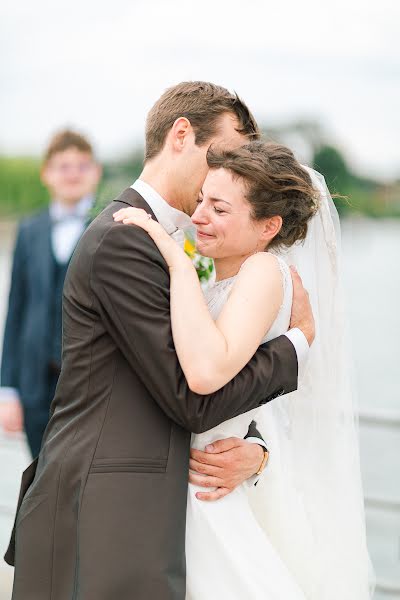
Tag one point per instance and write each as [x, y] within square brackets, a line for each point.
[260, 271]
[261, 263]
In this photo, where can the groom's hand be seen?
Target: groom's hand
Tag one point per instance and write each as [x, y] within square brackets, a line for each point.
[224, 465]
[302, 316]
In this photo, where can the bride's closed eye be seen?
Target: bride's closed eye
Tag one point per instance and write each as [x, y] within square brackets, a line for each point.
[218, 211]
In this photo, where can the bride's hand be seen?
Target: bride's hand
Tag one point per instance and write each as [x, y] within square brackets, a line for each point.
[174, 256]
[137, 216]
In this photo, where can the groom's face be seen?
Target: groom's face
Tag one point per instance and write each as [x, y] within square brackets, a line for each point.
[195, 166]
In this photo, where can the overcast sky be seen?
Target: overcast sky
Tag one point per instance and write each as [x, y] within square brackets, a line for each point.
[99, 66]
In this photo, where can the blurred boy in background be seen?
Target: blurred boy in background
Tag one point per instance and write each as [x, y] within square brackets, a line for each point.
[31, 357]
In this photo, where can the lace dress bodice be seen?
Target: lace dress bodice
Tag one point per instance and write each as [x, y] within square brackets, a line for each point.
[216, 295]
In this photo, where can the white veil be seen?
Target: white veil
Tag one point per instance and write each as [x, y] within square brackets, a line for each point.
[310, 499]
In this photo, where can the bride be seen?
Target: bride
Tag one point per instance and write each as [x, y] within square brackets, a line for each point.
[300, 533]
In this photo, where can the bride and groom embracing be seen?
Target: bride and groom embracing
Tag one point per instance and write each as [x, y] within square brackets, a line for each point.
[152, 367]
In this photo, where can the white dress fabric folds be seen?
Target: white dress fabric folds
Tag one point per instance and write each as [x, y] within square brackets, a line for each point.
[228, 554]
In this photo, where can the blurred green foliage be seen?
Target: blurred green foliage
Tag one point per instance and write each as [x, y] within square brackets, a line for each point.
[21, 191]
[117, 176]
[355, 194]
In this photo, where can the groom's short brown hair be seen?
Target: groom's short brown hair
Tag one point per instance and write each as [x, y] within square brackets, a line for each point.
[202, 103]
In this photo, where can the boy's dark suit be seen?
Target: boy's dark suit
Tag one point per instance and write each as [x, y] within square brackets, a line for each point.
[31, 357]
[105, 514]
[31, 354]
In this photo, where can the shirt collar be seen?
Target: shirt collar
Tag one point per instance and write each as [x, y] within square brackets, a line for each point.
[59, 211]
[170, 218]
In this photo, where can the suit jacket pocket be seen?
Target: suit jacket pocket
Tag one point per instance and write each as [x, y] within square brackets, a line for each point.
[129, 465]
[27, 478]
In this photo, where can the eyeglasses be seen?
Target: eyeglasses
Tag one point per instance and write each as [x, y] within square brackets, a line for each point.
[65, 168]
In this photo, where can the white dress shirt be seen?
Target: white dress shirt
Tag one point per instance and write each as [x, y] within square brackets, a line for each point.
[68, 224]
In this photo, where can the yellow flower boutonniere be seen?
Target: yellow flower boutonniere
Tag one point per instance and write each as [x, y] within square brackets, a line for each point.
[189, 248]
[203, 265]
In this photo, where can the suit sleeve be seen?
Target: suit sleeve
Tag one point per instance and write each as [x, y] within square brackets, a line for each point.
[130, 282]
[16, 304]
[253, 432]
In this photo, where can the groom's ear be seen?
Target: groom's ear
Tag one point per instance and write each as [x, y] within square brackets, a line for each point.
[180, 131]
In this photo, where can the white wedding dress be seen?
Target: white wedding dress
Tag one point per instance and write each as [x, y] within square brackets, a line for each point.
[228, 554]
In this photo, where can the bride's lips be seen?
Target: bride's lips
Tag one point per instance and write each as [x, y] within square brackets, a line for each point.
[203, 235]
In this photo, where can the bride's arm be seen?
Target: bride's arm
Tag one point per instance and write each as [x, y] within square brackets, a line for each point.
[224, 347]
[212, 353]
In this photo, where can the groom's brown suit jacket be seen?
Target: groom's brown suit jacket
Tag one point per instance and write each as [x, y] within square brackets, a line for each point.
[102, 513]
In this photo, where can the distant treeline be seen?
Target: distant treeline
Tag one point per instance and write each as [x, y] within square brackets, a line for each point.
[21, 191]
[358, 194]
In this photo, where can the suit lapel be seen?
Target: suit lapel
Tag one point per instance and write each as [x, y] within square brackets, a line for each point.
[133, 198]
[44, 255]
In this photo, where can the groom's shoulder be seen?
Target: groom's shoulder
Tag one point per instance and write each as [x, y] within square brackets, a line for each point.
[104, 234]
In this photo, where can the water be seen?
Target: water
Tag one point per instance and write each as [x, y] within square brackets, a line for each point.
[370, 251]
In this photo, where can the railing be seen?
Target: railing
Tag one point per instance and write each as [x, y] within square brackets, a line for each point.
[383, 419]
[389, 419]
[380, 419]
[387, 588]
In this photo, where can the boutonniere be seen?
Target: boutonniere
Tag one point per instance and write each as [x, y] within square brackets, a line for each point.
[203, 265]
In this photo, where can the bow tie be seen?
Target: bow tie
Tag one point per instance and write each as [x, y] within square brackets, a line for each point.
[68, 216]
[61, 214]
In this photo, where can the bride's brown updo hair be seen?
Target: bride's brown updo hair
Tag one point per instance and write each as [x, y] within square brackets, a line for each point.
[276, 185]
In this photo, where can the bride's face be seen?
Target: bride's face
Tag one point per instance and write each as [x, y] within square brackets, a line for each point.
[223, 218]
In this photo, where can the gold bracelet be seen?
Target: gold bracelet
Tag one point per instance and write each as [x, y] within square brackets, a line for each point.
[263, 462]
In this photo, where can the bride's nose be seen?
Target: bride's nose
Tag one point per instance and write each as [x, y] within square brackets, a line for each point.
[199, 216]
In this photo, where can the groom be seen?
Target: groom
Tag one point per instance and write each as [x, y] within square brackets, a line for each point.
[104, 515]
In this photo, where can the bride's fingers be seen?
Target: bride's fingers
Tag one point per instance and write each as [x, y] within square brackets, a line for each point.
[212, 496]
[138, 214]
[204, 480]
[133, 221]
[120, 214]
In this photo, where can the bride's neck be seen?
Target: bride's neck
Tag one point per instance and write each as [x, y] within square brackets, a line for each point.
[228, 267]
